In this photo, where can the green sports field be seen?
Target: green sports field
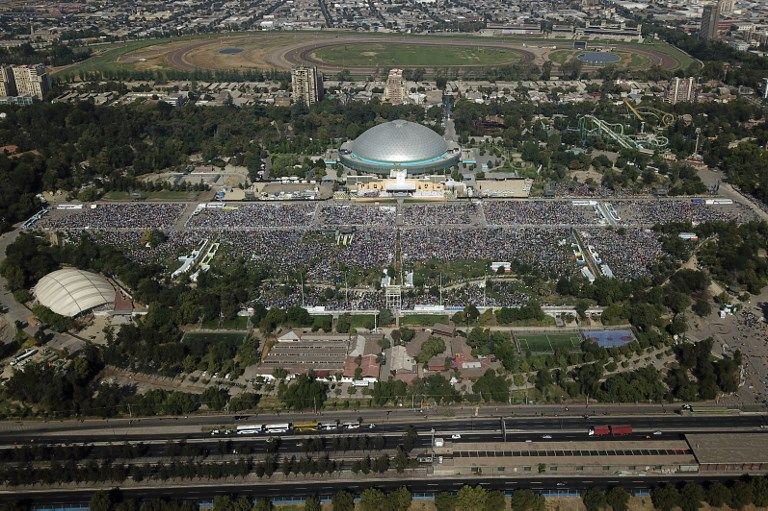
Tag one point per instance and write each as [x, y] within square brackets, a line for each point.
[409, 55]
[194, 338]
[547, 342]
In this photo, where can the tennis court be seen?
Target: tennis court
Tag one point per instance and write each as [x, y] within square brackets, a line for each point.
[548, 342]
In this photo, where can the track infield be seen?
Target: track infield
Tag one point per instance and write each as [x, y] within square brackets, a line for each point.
[359, 53]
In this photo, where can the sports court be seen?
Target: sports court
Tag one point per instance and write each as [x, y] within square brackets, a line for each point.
[548, 342]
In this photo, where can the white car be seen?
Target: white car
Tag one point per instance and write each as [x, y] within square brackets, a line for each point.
[456, 436]
[547, 437]
[657, 433]
[528, 441]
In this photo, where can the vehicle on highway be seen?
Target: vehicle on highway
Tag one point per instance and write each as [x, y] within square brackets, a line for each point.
[351, 425]
[215, 432]
[528, 441]
[439, 442]
[274, 429]
[306, 426]
[250, 429]
[657, 433]
[546, 437]
[328, 426]
[617, 430]
[371, 426]
[456, 436]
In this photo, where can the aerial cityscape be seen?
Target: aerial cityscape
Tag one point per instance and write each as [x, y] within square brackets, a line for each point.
[428, 255]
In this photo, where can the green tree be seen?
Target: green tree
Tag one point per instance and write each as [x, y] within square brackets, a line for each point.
[305, 392]
[665, 498]
[618, 498]
[373, 500]
[312, 503]
[445, 501]
[594, 499]
[691, 496]
[718, 494]
[215, 398]
[527, 500]
[399, 500]
[471, 498]
[495, 501]
[343, 501]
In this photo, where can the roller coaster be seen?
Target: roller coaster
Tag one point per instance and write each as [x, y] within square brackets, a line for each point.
[643, 142]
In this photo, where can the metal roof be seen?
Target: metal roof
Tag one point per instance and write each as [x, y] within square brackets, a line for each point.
[399, 141]
[70, 291]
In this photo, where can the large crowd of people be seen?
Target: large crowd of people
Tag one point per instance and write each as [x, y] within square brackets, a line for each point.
[650, 212]
[243, 216]
[355, 214]
[541, 212]
[114, 216]
[440, 214]
[289, 250]
[628, 253]
[539, 248]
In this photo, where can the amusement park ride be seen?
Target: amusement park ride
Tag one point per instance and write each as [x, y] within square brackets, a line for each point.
[645, 142]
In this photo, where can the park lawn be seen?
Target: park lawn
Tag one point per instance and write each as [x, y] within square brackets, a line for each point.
[410, 55]
[362, 320]
[424, 319]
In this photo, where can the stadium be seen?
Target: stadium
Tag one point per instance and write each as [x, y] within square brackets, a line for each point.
[399, 145]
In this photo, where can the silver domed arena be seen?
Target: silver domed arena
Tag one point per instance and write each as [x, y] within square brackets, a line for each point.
[399, 145]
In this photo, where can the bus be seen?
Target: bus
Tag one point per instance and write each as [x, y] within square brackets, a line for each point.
[328, 426]
[250, 429]
[272, 429]
[307, 426]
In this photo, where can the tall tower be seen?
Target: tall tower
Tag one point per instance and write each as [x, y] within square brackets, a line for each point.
[709, 17]
[306, 85]
[394, 91]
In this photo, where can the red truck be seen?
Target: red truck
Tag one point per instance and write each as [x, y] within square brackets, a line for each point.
[619, 430]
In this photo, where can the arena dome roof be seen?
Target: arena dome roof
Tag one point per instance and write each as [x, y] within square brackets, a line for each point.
[402, 144]
[70, 291]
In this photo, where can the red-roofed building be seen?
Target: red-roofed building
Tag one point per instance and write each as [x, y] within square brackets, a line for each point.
[369, 366]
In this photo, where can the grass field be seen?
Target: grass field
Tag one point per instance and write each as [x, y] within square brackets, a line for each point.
[239, 323]
[398, 54]
[423, 319]
[548, 342]
[263, 49]
[209, 337]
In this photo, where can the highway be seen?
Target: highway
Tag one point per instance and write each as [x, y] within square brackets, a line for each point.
[121, 430]
[157, 435]
[327, 488]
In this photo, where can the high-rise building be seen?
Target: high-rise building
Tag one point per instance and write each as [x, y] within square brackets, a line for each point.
[31, 80]
[727, 6]
[681, 90]
[394, 91]
[306, 85]
[709, 18]
[7, 84]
